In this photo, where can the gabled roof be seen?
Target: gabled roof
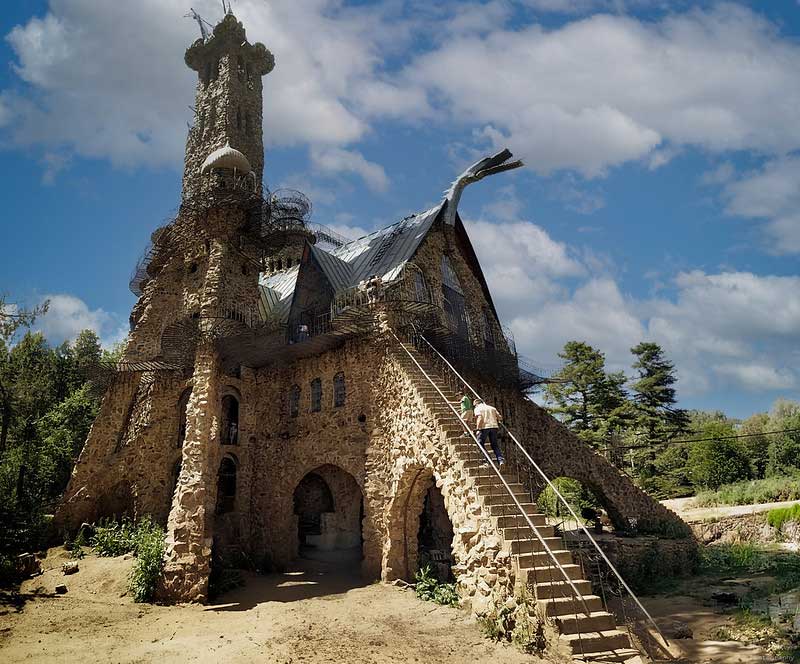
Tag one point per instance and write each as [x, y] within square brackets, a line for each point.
[381, 253]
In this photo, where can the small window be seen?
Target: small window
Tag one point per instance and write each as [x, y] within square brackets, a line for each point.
[294, 400]
[193, 268]
[316, 395]
[339, 390]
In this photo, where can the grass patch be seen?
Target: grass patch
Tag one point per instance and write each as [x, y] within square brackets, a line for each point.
[746, 558]
[781, 515]
[145, 540]
[753, 492]
[430, 589]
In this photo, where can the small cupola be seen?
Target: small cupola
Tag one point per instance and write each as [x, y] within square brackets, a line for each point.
[227, 157]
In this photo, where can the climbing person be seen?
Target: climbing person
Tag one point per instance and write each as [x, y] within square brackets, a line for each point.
[467, 413]
[487, 422]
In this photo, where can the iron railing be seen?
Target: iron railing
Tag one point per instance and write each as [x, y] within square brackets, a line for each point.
[616, 594]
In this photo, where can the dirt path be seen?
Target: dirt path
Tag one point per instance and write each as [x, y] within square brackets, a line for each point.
[686, 508]
[310, 614]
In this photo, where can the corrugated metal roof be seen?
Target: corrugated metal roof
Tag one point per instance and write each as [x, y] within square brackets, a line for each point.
[336, 270]
[381, 253]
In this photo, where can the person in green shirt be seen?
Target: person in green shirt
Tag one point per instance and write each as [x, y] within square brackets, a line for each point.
[467, 413]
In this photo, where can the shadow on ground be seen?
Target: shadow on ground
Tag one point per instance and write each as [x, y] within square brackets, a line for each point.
[304, 579]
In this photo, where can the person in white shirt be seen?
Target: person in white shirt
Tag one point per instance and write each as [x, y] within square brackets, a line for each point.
[487, 422]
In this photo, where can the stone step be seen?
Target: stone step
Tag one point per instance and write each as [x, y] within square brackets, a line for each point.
[552, 542]
[611, 639]
[503, 510]
[543, 559]
[598, 621]
[568, 604]
[620, 656]
[503, 498]
[550, 573]
[516, 520]
[488, 481]
[560, 590]
[514, 535]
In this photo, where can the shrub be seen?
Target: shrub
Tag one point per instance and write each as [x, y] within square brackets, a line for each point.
[145, 540]
[777, 517]
[430, 589]
[713, 463]
[149, 561]
[769, 490]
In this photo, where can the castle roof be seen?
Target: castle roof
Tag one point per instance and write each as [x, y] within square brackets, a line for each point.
[382, 253]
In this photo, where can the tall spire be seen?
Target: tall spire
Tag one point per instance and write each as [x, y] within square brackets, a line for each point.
[226, 140]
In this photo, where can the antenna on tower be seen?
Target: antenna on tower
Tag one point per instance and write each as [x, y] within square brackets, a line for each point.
[194, 15]
[226, 7]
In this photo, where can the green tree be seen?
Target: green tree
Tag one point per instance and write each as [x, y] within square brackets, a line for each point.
[573, 396]
[756, 444]
[718, 460]
[654, 394]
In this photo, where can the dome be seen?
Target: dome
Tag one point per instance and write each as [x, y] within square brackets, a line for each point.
[226, 157]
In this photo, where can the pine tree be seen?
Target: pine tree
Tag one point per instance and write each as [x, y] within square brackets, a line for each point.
[572, 396]
[654, 396]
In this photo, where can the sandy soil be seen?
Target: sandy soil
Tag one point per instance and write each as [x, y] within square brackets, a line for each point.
[310, 614]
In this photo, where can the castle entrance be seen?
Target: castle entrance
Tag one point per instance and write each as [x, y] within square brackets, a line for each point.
[328, 505]
[435, 537]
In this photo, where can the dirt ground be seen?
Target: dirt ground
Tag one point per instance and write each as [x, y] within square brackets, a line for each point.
[310, 614]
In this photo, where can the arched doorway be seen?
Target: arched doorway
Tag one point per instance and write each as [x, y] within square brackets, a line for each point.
[328, 504]
[435, 536]
[420, 529]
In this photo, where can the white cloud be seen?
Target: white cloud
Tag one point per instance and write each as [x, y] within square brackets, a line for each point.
[68, 315]
[337, 162]
[772, 194]
[107, 80]
[758, 377]
[608, 89]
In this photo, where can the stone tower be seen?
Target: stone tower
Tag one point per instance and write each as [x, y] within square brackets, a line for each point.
[228, 109]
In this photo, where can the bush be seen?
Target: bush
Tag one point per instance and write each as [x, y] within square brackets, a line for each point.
[713, 463]
[573, 492]
[770, 490]
[145, 540]
[149, 561]
[430, 589]
[777, 517]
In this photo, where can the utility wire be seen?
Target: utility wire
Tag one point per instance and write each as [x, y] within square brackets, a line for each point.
[702, 440]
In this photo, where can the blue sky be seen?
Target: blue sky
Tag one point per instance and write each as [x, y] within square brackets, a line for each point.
[661, 198]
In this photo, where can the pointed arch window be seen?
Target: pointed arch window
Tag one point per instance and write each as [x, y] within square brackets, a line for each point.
[316, 395]
[339, 390]
[294, 401]
[226, 485]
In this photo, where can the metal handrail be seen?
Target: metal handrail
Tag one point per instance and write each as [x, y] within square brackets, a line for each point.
[558, 494]
[497, 472]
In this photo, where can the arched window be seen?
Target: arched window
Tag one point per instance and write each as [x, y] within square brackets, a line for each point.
[339, 390]
[226, 485]
[229, 434]
[294, 400]
[182, 403]
[454, 303]
[316, 395]
[420, 288]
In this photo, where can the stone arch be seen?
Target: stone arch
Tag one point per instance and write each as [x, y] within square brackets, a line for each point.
[417, 485]
[328, 507]
[117, 502]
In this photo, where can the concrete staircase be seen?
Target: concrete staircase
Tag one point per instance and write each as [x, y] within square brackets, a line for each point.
[592, 637]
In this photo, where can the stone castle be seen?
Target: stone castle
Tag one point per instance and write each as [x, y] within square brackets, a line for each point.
[284, 392]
